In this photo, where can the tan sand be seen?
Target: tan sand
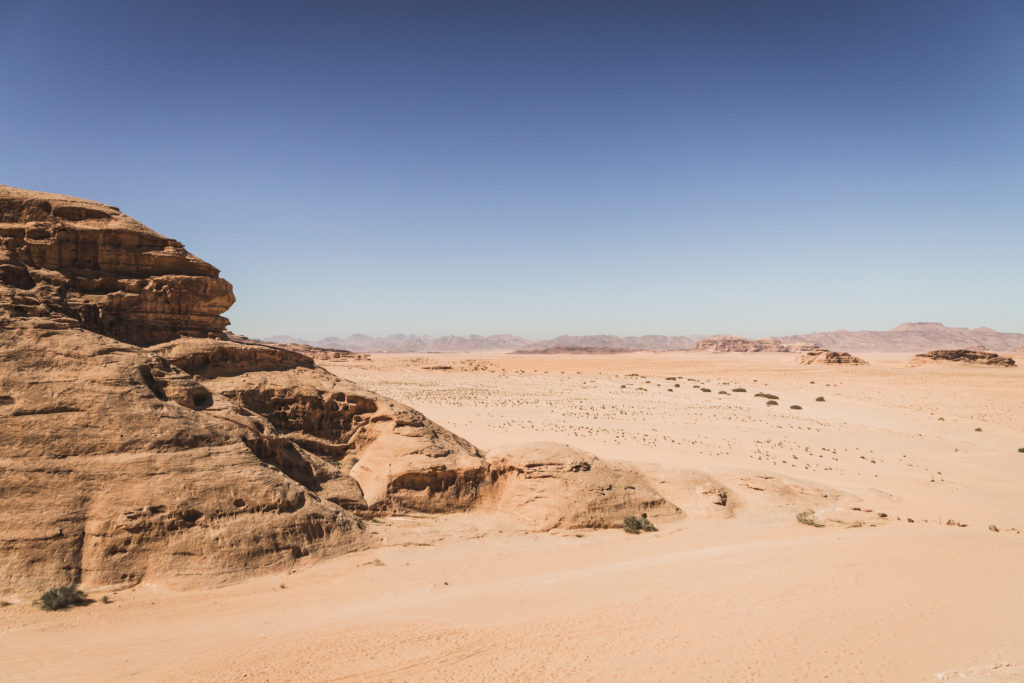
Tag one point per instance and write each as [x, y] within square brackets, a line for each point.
[755, 596]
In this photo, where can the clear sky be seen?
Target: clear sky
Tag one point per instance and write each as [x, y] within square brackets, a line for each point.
[541, 168]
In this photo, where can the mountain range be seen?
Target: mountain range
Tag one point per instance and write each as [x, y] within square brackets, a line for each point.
[908, 338]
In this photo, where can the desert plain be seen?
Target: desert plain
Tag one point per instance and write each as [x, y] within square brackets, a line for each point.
[908, 567]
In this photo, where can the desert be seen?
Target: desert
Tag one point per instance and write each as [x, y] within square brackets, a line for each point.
[246, 510]
[511, 342]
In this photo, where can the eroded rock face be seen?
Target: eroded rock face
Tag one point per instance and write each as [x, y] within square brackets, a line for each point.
[136, 447]
[87, 264]
[189, 461]
[966, 356]
[826, 357]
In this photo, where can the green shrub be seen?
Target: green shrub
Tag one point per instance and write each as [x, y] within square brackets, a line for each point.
[62, 598]
[795, 407]
[807, 517]
[634, 525]
[772, 403]
[820, 398]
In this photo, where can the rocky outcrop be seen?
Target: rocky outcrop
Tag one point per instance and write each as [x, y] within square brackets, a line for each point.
[551, 485]
[729, 344]
[85, 264]
[964, 356]
[826, 357]
[192, 460]
[139, 445]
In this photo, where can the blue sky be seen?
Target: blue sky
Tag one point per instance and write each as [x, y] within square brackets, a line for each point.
[546, 168]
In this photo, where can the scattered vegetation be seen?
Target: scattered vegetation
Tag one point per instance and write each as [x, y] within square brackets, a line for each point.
[820, 398]
[105, 600]
[772, 403]
[740, 390]
[634, 525]
[761, 394]
[62, 598]
[1020, 450]
[807, 517]
[4, 603]
[706, 390]
[795, 407]
[977, 429]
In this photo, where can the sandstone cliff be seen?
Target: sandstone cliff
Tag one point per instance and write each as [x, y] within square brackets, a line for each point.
[139, 444]
[86, 264]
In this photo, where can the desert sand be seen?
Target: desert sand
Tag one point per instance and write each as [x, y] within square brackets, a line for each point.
[909, 471]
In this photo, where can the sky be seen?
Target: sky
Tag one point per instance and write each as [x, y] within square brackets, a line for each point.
[544, 168]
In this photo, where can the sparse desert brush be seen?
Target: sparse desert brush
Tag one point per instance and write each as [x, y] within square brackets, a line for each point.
[706, 390]
[62, 598]
[820, 398]
[807, 517]
[740, 390]
[977, 429]
[723, 391]
[772, 403]
[795, 407]
[761, 394]
[634, 525]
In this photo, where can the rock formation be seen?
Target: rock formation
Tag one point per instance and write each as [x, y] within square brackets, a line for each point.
[965, 356]
[551, 485]
[88, 265]
[139, 444]
[826, 357]
[193, 460]
[723, 343]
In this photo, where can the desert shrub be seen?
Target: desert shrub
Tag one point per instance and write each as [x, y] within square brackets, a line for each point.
[977, 429]
[772, 403]
[62, 598]
[761, 394]
[634, 525]
[795, 407]
[1020, 450]
[740, 390]
[807, 517]
[4, 603]
[820, 398]
[723, 391]
[706, 390]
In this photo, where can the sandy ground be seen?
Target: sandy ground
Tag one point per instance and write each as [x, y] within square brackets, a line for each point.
[753, 597]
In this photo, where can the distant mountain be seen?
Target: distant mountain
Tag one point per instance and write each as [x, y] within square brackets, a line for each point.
[905, 338]
[409, 343]
[912, 338]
